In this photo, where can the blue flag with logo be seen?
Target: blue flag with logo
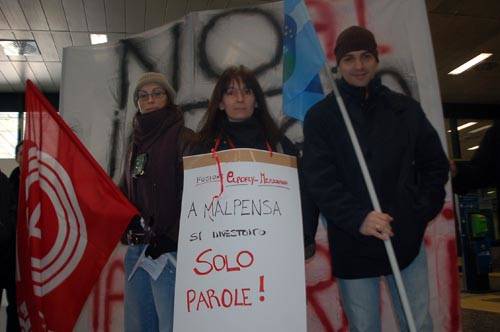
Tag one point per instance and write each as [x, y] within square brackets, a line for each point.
[303, 59]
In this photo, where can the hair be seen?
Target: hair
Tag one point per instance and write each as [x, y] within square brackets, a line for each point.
[18, 146]
[211, 122]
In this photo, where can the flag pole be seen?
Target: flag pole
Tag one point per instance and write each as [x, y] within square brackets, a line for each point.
[374, 200]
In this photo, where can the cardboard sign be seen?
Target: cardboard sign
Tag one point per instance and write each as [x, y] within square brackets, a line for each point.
[240, 262]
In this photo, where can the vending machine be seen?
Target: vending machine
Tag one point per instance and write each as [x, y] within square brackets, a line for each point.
[476, 232]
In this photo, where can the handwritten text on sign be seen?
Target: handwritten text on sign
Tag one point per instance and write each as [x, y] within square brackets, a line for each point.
[240, 261]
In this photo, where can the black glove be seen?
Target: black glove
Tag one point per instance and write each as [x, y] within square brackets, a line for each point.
[134, 227]
[135, 224]
[159, 245]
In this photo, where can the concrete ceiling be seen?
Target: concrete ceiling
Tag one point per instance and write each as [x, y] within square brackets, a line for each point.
[56, 24]
[460, 30]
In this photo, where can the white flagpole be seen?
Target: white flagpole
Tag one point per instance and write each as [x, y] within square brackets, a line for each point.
[374, 199]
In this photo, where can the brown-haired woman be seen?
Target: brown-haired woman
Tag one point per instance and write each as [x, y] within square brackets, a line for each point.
[238, 117]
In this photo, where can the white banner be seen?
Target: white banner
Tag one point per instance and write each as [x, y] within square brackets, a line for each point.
[189, 52]
[240, 263]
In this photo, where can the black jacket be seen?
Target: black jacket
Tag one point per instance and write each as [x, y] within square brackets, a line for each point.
[408, 168]
[157, 193]
[484, 168]
[7, 228]
[14, 180]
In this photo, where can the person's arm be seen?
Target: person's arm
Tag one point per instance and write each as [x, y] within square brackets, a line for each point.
[310, 216]
[310, 212]
[335, 201]
[134, 224]
[432, 167]
[480, 172]
[165, 241]
[122, 182]
[7, 215]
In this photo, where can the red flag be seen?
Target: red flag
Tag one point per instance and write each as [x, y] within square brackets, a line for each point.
[71, 216]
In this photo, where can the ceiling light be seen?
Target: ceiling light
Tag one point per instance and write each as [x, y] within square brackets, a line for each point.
[473, 148]
[19, 47]
[98, 38]
[466, 125]
[449, 130]
[471, 63]
[479, 129]
[491, 192]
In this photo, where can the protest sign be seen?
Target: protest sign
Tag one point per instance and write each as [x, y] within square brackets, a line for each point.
[240, 262]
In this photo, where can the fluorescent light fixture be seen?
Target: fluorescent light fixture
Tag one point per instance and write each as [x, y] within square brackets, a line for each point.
[473, 148]
[491, 192]
[19, 47]
[98, 38]
[466, 125]
[9, 48]
[471, 63]
[479, 129]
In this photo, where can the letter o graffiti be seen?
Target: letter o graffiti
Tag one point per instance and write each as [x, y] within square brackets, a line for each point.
[211, 70]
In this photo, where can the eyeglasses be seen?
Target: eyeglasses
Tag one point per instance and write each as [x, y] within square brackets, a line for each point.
[144, 96]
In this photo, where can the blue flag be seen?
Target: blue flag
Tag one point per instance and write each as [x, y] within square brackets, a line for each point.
[303, 59]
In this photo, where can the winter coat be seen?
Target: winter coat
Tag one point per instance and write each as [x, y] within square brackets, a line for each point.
[157, 193]
[407, 165]
[7, 228]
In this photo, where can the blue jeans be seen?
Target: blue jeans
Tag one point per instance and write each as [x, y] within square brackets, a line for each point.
[149, 304]
[361, 298]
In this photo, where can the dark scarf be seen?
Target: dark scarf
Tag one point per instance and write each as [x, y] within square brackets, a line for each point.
[245, 134]
[148, 127]
[157, 134]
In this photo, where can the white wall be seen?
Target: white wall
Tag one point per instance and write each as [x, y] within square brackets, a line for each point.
[7, 165]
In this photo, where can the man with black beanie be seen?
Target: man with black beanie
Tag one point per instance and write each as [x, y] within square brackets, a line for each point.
[408, 168]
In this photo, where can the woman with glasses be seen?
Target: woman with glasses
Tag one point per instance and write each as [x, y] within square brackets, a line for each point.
[238, 117]
[152, 180]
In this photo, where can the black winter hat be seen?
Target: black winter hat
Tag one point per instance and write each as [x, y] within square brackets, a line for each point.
[355, 38]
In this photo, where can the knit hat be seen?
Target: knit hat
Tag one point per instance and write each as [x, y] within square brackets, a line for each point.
[355, 38]
[152, 77]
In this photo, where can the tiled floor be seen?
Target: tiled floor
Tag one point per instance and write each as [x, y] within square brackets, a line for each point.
[480, 312]
[489, 302]
[480, 321]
